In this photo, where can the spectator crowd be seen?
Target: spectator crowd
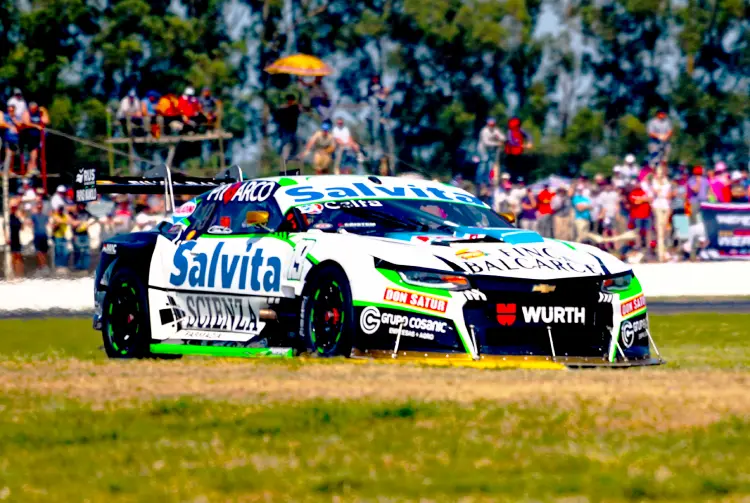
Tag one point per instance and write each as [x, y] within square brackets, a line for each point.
[642, 211]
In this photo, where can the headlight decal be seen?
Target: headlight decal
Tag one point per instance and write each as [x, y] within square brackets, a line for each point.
[395, 277]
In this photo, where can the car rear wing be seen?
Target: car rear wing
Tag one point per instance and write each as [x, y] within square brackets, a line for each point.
[159, 180]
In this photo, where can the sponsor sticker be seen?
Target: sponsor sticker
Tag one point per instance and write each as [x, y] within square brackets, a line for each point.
[310, 209]
[210, 315]
[633, 330]
[505, 314]
[212, 267]
[85, 185]
[467, 254]
[520, 258]
[371, 320]
[554, 314]
[255, 191]
[418, 300]
[109, 248]
[186, 209]
[219, 229]
[633, 305]
[310, 194]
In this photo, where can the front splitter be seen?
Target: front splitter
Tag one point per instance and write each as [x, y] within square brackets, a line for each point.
[500, 361]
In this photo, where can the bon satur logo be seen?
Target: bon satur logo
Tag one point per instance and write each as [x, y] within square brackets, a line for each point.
[252, 271]
[554, 314]
[309, 193]
[630, 329]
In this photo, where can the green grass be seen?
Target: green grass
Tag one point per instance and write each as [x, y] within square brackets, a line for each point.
[73, 429]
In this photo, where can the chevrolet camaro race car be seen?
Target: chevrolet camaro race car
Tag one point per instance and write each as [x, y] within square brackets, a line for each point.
[360, 267]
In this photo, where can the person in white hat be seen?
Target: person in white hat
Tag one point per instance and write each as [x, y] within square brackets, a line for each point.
[18, 102]
[58, 198]
[189, 109]
[130, 113]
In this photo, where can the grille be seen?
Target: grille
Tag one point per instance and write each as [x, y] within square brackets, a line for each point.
[517, 320]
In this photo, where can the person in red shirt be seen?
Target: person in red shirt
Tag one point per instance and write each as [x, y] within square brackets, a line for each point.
[544, 212]
[189, 107]
[640, 214]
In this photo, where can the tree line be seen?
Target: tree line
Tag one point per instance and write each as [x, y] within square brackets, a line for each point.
[583, 75]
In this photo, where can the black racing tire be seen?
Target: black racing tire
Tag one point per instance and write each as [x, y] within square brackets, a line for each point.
[126, 330]
[327, 313]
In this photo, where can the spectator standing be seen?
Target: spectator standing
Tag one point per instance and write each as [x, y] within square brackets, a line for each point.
[344, 141]
[150, 114]
[640, 214]
[35, 119]
[60, 225]
[18, 103]
[662, 190]
[324, 145]
[168, 109]
[11, 138]
[544, 212]
[491, 139]
[516, 142]
[287, 119]
[81, 222]
[189, 111]
[527, 219]
[516, 193]
[16, 224]
[319, 99]
[122, 220]
[562, 221]
[608, 209]
[698, 189]
[39, 222]
[57, 200]
[380, 112]
[659, 130]
[130, 113]
[720, 191]
[581, 202]
[500, 199]
[209, 107]
[737, 188]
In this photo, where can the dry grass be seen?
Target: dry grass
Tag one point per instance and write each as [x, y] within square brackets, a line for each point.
[649, 398]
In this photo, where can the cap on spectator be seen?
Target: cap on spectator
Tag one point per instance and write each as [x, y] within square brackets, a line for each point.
[505, 176]
[189, 91]
[519, 179]
[61, 189]
[736, 175]
[326, 126]
[17, 92]
[630, 158]
[491, 121]
[697, 170]
[131, 93]
[720, 167]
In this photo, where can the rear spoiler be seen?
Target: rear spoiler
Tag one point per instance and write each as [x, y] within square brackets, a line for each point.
[159, 180]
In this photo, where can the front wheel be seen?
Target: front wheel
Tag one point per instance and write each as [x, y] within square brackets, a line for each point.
[126, 332]
[327, 313]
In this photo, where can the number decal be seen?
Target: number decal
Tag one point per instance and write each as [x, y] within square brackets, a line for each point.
[298, 259]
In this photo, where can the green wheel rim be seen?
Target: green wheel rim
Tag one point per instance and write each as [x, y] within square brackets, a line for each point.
[327, 316]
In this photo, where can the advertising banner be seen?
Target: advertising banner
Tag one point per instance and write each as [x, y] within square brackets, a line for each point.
[727, 229]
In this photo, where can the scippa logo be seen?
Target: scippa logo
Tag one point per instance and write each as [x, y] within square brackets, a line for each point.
[310, 194]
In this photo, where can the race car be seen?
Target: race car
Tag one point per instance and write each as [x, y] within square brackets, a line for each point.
[361, 267]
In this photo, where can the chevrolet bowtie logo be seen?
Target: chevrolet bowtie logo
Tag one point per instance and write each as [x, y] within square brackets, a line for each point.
[542, 288]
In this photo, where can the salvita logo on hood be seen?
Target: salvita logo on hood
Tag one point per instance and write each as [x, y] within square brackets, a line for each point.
[360, 190]
[254, 272]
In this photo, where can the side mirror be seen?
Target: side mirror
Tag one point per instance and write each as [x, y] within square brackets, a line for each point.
[256, 218]
[508, 217]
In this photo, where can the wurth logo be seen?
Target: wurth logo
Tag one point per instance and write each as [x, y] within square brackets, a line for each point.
[506, 314]
[549, 314]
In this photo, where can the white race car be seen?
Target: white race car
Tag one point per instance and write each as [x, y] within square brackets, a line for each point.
[361, 267]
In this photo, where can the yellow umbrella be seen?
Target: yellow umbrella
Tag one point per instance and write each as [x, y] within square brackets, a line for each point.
[300, 64]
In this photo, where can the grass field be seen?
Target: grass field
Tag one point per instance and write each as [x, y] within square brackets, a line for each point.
[76, 427]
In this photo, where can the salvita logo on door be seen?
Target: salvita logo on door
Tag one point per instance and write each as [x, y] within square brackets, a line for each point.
[253, 271]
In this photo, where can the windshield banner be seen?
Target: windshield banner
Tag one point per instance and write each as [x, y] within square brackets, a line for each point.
[727, 229]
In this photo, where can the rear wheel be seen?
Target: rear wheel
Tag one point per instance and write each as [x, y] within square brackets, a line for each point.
[126, 332]
[328, 313]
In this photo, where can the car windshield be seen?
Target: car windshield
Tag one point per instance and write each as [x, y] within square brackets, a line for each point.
[388, 215]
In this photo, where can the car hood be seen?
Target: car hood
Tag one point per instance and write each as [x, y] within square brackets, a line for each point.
[510, 253]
